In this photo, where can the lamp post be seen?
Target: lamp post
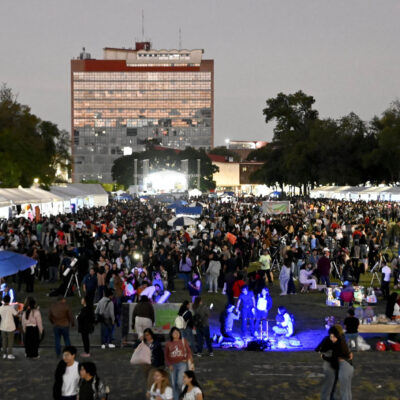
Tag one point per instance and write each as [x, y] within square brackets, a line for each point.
[227, 141]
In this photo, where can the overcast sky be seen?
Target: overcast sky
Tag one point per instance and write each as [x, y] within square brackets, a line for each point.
[345, 53]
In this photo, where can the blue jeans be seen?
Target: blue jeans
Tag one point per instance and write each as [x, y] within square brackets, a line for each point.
[186, 278]
[247, 315]
[188, 335]
[58, 332]
[177, 378]
[325, 280]
[106, 333]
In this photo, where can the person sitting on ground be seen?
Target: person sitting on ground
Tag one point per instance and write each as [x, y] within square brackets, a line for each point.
[284, 323]
[90, 386]
[351, 324]
[305, 278]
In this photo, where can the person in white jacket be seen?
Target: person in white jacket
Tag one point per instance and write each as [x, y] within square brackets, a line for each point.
[284, 277]
[305, 278]
[213, 270]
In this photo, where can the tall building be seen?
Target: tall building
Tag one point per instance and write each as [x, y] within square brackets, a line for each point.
[132, 96]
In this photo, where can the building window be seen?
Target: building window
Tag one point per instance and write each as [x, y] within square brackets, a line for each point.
[131, 131]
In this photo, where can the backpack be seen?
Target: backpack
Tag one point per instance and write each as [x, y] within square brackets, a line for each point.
[180, 322]
[100, 317]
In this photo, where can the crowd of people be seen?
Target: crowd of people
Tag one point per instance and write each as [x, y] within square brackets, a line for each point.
[128, 252]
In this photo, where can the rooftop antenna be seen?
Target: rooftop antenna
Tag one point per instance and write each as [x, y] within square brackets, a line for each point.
[142, 25]
[180, 39]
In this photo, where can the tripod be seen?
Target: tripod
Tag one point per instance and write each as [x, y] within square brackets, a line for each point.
[335, 268]
[275, 260]
[376, 268]
[73, 279]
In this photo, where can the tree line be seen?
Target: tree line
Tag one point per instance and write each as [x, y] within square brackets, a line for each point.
[29, 147]
[308, 151]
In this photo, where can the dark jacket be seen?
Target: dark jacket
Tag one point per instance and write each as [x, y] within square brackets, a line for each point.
[143, 309]
[86, 320]
[157, 354]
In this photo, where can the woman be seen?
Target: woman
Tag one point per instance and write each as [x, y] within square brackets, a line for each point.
[340, 361]
[32, 327]
[192, 389]
[143, 316]
[187, 329]
[90, 385]
[160, 388]
[157, 353]
[86, 322]
[263, 305]
[195, 286]
[284, 277]
[177, 355]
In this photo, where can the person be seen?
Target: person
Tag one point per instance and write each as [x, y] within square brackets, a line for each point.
[86, 321]
[160, 388]
[187, 328]
[324, 267]
[284, 323]
[6, 290]
[351, 323]
[195, 286]
[7, 327]
[248, 305]
[386, 274]
[347, 293]
[32, 327]
[157, 353]
[305, 278]
[89, 284]
[177, 355]
[227, 318]
[105, 315]
[263, 305]
[213, 271]
[265, 260]
[185, 268]
[191, 389]
[391, 305]
[202, 325]
[61, 318]
[143, 316]
[66, 382]
[90, 385]
[284, 277]
[341, 361]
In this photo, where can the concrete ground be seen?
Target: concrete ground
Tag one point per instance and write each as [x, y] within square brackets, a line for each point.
[231, 374]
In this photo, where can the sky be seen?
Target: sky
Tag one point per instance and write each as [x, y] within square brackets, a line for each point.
[345, 53]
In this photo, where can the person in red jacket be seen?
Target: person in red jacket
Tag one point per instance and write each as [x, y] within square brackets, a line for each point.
[324, 267]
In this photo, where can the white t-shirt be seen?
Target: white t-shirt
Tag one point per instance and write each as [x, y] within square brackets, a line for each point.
[386, 271]
[192, 394]
[167, 395]
[71, 380]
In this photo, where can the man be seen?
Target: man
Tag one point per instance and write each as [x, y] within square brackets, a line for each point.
[248, 303]
[90, 387]
[7, 327]
[386, 274]
[5, 290]
[105, 315]
[89, 284]
[61, 318]
[227, 319]
[265, 260]
[66, 383]
[324, 267]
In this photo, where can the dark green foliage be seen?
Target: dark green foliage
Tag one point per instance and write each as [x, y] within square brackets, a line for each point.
[308, 151]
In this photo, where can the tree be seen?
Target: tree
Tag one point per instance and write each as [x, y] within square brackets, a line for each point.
[28, 146]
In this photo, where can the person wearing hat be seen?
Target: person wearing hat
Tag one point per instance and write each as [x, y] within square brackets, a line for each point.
[324, 267]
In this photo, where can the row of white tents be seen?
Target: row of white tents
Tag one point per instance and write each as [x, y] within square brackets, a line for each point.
[355, 193]
[61, 199]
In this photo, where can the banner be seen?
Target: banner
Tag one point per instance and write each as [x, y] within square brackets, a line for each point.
[165, 316]
[276, 207]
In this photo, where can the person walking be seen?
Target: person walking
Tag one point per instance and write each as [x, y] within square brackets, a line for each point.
[7, 327]
[177, 356]
[86, 320]
[66, 382]
[284, 277]
[105, 315]
[32, 327]
[187, 324]
[91, 386]
[191, 389]
[157, 354]
[202, 325]
[143, 316]
[61, 318]
[213, 271]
